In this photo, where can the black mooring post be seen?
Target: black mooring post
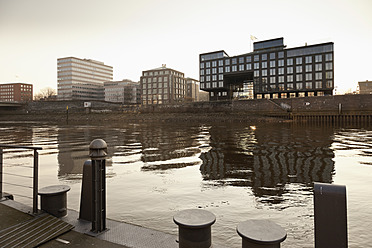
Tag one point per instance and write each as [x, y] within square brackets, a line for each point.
[98, 152]
[330, 216]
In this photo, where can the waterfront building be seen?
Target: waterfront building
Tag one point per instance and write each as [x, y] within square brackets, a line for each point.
[270, 71]
[16, 92]
[365, 87]
[82, 79]
[162, 86]
[192, 90]
[125, 92]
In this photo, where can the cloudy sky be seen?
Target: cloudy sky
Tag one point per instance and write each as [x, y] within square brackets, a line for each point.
[137, 35]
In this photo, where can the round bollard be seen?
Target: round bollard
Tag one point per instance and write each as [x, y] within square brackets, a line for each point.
[54, 199]
[194, 228]
[261, 234]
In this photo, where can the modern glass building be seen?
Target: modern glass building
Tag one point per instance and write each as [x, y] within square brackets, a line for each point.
[270, 71]
[82, 79]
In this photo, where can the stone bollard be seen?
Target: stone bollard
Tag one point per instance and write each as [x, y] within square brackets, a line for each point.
[54, 199]
[194, 228]
[98, 153]
[261, 234]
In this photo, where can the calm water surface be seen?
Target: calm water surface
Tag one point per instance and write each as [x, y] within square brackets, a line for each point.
[236, 171]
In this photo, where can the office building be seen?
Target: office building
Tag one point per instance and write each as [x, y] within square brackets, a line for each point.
[162, 86]
[270, 71]
[82, 79]
[365, 87]
[192, 90]
[16, 92]
[125, 92]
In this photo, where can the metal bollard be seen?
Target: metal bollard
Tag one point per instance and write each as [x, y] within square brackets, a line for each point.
[98, 153]
[194, 228]
[54, 199]
[330, 216]
[261, 234]
[86, 192]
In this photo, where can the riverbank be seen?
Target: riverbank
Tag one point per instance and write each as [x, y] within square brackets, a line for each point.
[110, 117]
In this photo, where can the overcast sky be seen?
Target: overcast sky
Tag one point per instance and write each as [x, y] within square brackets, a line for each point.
[137, 35]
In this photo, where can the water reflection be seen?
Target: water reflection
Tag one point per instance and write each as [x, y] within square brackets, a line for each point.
[267, 159]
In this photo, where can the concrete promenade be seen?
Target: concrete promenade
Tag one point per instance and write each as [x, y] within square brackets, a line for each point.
[119, 234]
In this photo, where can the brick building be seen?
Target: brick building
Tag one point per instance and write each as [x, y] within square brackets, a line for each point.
[16, 92]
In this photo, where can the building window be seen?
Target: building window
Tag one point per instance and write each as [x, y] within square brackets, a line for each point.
[299, 69]
[308, 68]
[289, 70]
[329, 75]
[208, 78]
[220, 62]
[281, 87]
[272, 63]
[281, 55]
[256, 66]
[256, 58]
[318, 84]
[272, 71]
[264, 56]
[227, 62]
[308, 59]
[318, 76]
[248, 59]
[214, 70]
[201, 66]
[224, 93]
[241, 60]
[328, 66]
[264, 73]
[202, 85]
[208, 64]
[298, 61]
[214, 85]
[318, 67]
[264, 64]
[208, 71]
[201, 79]
[289, 61]
[272, 55]
[220, 84]
[281, 62]
[227, 68]
[214, 77]
[309, 85]
[214, 63]
[208, 85]
[289, 86]
[234, 68]
[328, 57]
[299, 78]
[233, 61]
[220, 77]
[281, 79]
[249, 66]
[309, 76]
[318, 58]
[280, 71]
[256, 73]
[272, 80]
[329, 84]
[299, 86]
[241, 67]
[290, 78]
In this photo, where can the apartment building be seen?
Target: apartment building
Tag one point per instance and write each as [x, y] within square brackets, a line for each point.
[82, 79]
[270, 71]
[16, 92]
[365, 87]
[162, 86]
[125, 92]
[192, 90]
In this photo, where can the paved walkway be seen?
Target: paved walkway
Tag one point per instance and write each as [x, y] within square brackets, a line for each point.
[119, 234]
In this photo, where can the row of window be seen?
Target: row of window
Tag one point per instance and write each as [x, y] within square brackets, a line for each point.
[292, 86]
[83, 64]
[166, 72]
[290, 61]
[291, 95]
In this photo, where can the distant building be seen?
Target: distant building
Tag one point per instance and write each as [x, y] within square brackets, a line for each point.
[365, 87]
[16, 92]
[192, 90]
[125, 92]
[203, 96]
[270, 71]
[162, 86]
[82, 79]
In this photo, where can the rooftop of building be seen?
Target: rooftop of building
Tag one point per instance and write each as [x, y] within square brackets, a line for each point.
[163, 68]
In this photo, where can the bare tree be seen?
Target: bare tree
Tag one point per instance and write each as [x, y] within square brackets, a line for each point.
[45, 94]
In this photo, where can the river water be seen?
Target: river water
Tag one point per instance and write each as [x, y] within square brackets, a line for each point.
[237, 171]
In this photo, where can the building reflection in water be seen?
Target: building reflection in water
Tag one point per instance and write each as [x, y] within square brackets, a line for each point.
[269, 158]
